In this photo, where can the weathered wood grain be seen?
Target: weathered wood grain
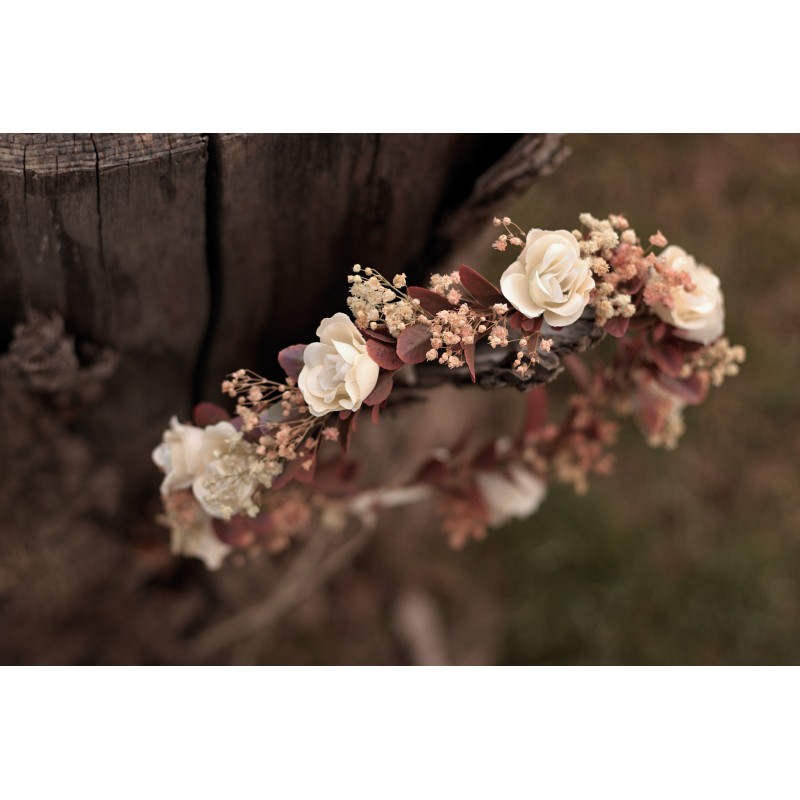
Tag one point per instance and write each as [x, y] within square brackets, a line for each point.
[108, 232]
[292, 213]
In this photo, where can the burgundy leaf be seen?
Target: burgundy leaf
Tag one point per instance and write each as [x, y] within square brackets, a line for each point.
[515, 319]
[376, 411]
[433, 472]
[469, 357]
[430, 301]
[692, 389]
[336, 477]
[306, 475]
[413, 343]
[381, 333]
[668, 357]
[291, 359]
[294, 471]
[532, 325]
[242, 531]
[617, 326]
[633, 286]
[486, 459]
[479, 287]
[642, 323]
[287, 476]
[381, 391]
[348, 421]
[536, 408]
[653, 409]
[209, 414]
[384, 354]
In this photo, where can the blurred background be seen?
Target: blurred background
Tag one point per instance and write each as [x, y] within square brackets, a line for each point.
[684, 557]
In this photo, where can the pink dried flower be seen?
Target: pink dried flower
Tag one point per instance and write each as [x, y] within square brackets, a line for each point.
[500, 244]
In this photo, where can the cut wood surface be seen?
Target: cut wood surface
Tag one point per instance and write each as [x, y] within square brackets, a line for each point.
[135, 271]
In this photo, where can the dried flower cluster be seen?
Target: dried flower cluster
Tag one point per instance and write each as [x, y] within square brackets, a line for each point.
[257, 480]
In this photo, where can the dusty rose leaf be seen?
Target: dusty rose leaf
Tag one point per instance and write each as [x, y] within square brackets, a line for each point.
[617, 326]
[291, 359]
[413, 343]
[209, 414]
[479, 287]
[469, 357]
[430, 301]
[381, 391]
[384, 354]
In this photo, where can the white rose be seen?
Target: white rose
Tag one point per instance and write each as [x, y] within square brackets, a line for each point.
[187, 456]
[338, 373]
[183, 453]
[549, 278]
[238, 490]
[699, 315]
[517, 493]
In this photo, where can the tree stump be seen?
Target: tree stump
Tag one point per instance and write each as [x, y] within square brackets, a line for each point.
[135, 272]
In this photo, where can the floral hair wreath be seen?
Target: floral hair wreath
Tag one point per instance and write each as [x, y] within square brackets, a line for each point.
[267, 475]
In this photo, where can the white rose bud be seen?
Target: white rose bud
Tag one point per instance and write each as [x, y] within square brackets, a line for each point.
[517, 493]
[338, 374]
[549, 278]
[699, 315]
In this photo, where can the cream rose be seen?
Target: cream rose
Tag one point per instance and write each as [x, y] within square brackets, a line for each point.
[188, 457]
[549, 278]
[515, 493]
[698, 315]
[339, 373]
[186, 450]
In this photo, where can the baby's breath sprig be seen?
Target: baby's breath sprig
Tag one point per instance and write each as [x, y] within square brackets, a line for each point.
[514, 235]
[375, 301]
